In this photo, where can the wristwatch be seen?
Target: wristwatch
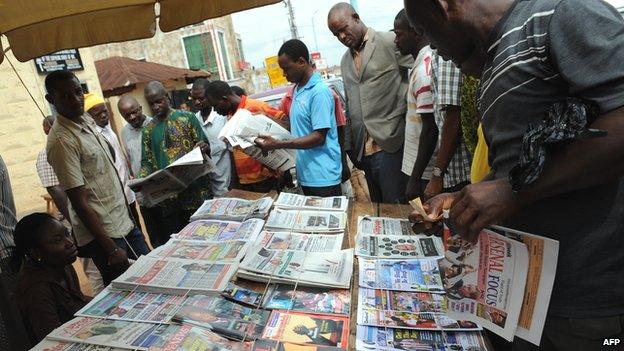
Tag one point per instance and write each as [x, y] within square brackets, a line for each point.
[437, 172]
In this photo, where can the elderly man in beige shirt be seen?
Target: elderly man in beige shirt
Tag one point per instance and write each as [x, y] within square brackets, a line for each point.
[83, 163]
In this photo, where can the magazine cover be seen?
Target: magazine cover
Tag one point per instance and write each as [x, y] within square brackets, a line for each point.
[175, 276]
[411, 320]
[132, 306]
[301, 202]
[332, 269]
[142, 336]
[399, 246]
[543, 253]
[384, 226]
[404, 275]
[273, 345]
[224, 317]
[387, 339]
[485, 282]
[52, 345]
[218, 231]
[300, 241]
[402, 301]
[233, 209]
[225, 251]
[307, 221]
[308, 329]
[311, 300]
[245, 296]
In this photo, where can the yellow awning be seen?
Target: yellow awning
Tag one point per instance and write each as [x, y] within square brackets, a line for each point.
[39, 27]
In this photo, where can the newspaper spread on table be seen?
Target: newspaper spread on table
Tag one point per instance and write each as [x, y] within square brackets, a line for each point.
[215, 231]
[386, 339]
[484, 281]
[243, 128]
[141, 336]
[290, 201]
[300, 241]
[543, 253]
[175, 276]
[132, 306]
[398, 246]
[53, 345]
[168, 182]
[307, 221]
[325, 269]
[405, 275]
[225, 251]
[384, 226]
[233, 209]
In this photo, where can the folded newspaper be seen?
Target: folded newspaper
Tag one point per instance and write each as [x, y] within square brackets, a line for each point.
[175, 276]
[242, 130]
[320, 269]
[290, 201]
[398, 246]
[233, 209]
[300, 241]
[404, 275]
[168, 182]
[384, 226]
[215, 231]
[496, 284]
[141, 336]
[386, 339]
[307, 221]
[225, 251]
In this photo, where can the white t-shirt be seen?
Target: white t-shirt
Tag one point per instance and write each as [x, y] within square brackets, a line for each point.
[419, 101]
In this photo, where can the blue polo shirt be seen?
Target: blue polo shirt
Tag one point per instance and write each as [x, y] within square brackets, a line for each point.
[313, 109]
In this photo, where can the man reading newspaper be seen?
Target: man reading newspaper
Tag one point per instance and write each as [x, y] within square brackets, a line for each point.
[529, 56]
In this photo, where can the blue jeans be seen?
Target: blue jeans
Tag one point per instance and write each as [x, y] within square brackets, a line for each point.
[100, 257]
[385, 181]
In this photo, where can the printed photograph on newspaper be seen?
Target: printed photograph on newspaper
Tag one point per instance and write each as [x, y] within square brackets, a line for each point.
[405, 275]
[132, 306]
[398, 246]
[306, 299]
[218, 231]
[543, 253]
[411, 320]
[273, 345]
[387, 339]
[484, 281]
[301, 202]
[402, 301]
[384, 226]
[245, 296]
[308, 329]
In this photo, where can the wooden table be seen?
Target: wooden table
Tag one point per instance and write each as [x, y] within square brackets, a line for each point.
[354, 210]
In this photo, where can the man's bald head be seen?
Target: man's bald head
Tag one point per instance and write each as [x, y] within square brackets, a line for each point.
[131, 111]
[157, 99]
[345, 23]
[48, 121]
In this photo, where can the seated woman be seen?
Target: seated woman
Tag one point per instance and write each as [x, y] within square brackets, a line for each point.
[48, 292]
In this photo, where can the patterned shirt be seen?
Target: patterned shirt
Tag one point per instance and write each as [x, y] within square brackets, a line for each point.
[248, 169]
[44, 170]
[446, 85]
[7, 213]
[164, 141]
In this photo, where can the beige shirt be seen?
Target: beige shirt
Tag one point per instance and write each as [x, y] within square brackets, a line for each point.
[80, 156]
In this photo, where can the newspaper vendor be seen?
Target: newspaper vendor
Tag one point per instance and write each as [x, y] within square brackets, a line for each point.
[530, 55]
[312, 122]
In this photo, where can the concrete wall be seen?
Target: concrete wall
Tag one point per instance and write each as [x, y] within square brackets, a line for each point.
[21, 135]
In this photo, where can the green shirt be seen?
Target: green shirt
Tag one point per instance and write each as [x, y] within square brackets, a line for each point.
[164, 141]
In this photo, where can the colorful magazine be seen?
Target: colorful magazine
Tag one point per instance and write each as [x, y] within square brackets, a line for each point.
[242, 295]
[308, 329]
[310, 300]
[132, 306]
[224, 317]
[273, 345]
[404, 275]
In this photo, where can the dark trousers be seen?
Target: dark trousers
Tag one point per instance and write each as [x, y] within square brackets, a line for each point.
[155, 225]
[588, 334]
[176, 221]
[135, 214]
[134, 239]
[324, 191]
[384, 178]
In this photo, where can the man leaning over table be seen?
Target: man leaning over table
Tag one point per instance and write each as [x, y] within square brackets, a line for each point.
[531, 55]
[83, 163]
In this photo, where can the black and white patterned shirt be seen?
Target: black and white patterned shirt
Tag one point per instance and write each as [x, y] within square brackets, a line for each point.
[7, 213]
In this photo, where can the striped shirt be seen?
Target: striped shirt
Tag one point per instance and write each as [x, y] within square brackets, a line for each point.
[540, 53]
[7, 213]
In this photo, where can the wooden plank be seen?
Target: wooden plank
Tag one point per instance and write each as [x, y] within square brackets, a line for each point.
[250, 195]
[395, 210]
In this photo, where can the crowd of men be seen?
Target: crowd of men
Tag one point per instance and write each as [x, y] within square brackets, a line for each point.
[416, 122]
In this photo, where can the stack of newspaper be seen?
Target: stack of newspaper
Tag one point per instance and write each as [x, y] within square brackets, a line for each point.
[290, 201]
[242, 130]
[233, 209]
[307, 221]
[215, 231]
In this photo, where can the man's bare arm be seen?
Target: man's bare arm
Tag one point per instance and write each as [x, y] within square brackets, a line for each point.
[60, 199]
